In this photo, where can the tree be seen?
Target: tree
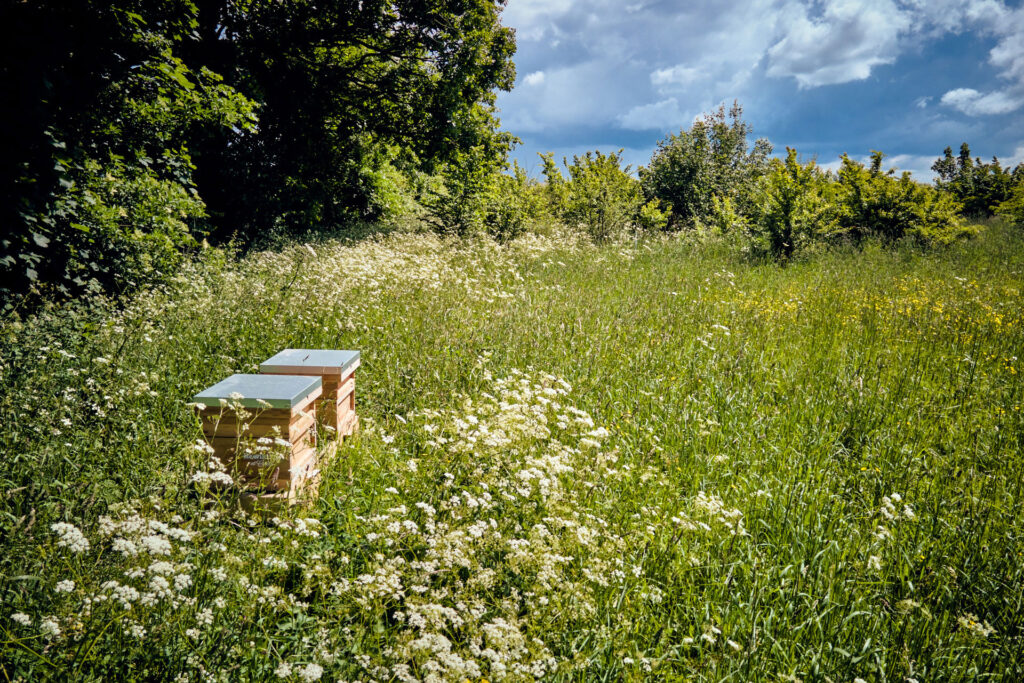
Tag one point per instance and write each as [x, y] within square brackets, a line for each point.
[344, 89]
[978, 186]
[131, 131]
[712, 158]
[97, 174]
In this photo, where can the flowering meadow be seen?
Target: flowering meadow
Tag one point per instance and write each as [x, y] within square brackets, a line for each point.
[641, 460]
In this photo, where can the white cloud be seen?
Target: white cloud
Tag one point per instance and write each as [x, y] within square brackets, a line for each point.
[663, 116]
[1016, 158]
[974, 103]
[533, 18]
[844, 44]
[536, 78]
[1007, 56]
[600, 70]
[676, 75]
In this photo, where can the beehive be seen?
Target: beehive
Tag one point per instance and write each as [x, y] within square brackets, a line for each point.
[261, 429]
[337, 370]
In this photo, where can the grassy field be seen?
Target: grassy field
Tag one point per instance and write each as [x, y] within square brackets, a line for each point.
[634, 461]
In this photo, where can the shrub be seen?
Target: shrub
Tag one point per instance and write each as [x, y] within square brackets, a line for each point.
[456, 197]
[1013, 207]
[601, 196]
[792, 204]
[556, 193]
[978, 186]
[114, 227]
[514, 202]
[873, 202]
[712, 158]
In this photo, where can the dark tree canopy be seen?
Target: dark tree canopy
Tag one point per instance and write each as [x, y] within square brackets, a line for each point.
[135, 128]
[981, 187]
[343, 87]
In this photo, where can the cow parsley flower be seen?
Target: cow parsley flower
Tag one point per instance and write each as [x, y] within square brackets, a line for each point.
[70, 537]
[310, 672]
[49, 627]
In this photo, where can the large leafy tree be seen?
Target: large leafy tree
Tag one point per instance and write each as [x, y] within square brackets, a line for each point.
[96, 172]
[133, 128]
[346, 88]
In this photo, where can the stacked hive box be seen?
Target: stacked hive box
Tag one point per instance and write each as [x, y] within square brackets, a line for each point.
[261, 428]
[337, 370]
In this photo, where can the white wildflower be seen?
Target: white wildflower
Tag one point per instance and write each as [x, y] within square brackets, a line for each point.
[182, 581]
[156, 545]
[310, 672]
[65, 586]
[125, 547]
[970, 624]
[70, 537]
[22, 618]
[49, 627]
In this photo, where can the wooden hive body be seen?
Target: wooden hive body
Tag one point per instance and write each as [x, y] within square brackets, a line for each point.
[336, 369]
[261, 428]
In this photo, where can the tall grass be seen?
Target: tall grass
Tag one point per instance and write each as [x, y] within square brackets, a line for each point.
[631, 461]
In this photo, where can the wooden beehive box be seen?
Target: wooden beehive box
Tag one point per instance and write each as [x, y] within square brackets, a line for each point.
[337, 370]
[261, 428]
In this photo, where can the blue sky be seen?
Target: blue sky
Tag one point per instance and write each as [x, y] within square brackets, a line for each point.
[908, 77]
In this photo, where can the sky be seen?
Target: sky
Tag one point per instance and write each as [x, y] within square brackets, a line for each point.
[908, 77]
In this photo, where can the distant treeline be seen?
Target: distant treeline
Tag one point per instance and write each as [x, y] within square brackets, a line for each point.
[711, 180]
[136, 131]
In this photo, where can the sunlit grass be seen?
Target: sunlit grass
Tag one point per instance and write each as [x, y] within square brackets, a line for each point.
[811, 472]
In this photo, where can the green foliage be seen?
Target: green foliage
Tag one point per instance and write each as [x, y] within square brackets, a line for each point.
[98, 187]
[712, 158]
[1013, 208]
[166, 93]
[515, 203]
[875, 203]
[126, 226]
[468, 193]
[653, 215]
[600, 196]
[556, 192]
[791, 207]
[978, 186]
[335, 82]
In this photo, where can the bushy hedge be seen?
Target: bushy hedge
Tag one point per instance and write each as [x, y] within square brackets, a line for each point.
[711, 159]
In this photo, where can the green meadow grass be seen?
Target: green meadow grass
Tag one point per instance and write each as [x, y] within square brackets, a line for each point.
[649, 460]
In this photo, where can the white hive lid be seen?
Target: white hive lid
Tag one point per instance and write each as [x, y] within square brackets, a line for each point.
[312, 362]
[280, 391]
